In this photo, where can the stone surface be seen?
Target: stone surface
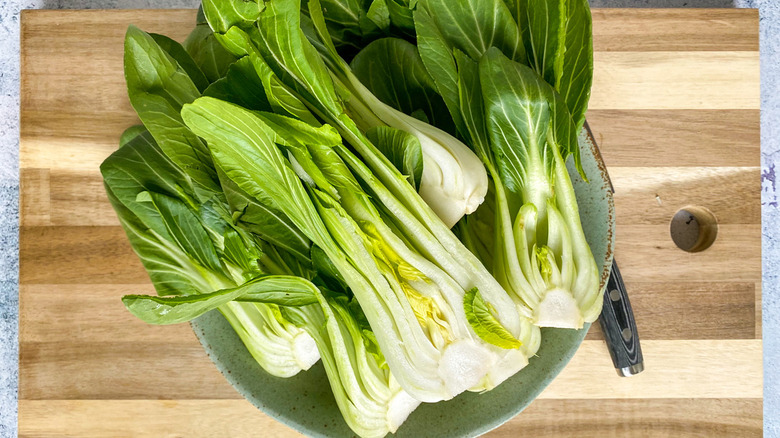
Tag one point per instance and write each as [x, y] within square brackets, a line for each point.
[9, 185]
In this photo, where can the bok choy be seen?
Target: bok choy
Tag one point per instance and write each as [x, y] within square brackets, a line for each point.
[522, 122]
[334, 210]
[415, 308]
[209, 255]
[188, 250]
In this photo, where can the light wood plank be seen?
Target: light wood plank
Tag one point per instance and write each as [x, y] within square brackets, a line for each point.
[647, 254]
[617, 418]
[675, 80]
[658, 138]
[622, 81]
[759, 313]
[119, 370]
[644, 30]
[79, 199]
[146, 418]
[89, 313]
[652, 195]
[644, 195]
[673, 369]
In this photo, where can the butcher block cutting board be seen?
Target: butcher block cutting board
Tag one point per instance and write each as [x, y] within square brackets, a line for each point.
[675, 110]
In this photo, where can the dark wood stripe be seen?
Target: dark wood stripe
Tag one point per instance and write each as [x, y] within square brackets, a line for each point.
[690, 310]
[77, 255]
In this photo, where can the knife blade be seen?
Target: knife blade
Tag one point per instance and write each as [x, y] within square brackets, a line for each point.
[617, 317]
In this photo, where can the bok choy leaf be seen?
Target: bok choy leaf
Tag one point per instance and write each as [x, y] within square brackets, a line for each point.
[175, 245]
[522, 129]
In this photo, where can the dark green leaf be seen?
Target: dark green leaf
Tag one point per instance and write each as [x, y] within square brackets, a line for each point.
[139, 166]
[241, 86]
[158, 87]
[393, 71]
[472, 107]
[518, 120]
[260, 217]
[474, 26]
[177, 52]
[379, 14]
[559, 41]
[243, 147]
[293, 59]
[326, 269]
[170, 269]
[402, 149]
[224, 14]
[185, 228]
[209, 55]
[131, 133]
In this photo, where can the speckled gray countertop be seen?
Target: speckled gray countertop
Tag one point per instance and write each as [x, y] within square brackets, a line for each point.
[9, 180]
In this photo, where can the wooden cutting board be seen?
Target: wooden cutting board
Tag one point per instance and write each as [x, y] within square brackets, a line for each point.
[675, 109]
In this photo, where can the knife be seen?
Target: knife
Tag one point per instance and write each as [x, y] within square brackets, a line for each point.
[617, 317]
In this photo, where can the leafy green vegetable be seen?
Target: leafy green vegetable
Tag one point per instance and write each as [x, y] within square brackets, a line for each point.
[279, 290]
[485, 324]
[172, 237]
[454, 182]
[310, 201]
[558, 39]
[158, 87]
[242, 86]
[385, 274]
[402, 149]
[209, 55]
[392, 70]
[178, 53]
[522, 129]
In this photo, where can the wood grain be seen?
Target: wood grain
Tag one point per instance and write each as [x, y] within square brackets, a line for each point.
[144, 370]
[619, 418]
[607, 418]
[68, 255]
[644, 195]
[90, 255]
[644, 30]
[658, 138]
[675, 111]
[648, 254]
[651, 196]
[675, 80]
[706, 310]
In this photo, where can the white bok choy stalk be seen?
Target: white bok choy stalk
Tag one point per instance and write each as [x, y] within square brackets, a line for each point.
[454, 181]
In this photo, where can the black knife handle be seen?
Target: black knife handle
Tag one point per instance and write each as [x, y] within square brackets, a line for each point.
[619, 327]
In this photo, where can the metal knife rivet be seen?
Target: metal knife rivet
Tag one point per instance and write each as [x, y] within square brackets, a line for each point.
[614, 295]
[626, 334]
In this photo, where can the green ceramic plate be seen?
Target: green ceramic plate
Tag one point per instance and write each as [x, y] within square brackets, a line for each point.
[305, 402]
